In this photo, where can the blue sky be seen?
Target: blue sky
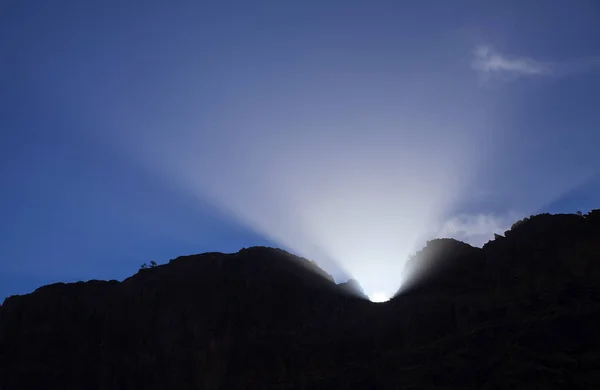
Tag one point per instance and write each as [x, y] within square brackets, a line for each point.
[133, 131]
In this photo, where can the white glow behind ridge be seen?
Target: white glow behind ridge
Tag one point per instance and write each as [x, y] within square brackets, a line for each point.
[379, 297]
[352, 172]
[355, 189]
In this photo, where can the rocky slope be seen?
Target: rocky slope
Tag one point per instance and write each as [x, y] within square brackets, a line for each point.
[522, 312]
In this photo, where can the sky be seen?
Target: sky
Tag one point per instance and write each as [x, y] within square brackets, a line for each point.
[349, 132]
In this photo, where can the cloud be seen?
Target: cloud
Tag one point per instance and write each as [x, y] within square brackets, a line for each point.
[489, 62]
[477, 229]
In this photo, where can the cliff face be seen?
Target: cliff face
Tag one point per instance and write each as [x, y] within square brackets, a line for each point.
[522, 312]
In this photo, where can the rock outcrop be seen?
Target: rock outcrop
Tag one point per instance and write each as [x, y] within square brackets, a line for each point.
[522, 312]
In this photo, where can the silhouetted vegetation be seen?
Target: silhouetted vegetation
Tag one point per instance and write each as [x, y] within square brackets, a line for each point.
[521, 312]
[146, 266]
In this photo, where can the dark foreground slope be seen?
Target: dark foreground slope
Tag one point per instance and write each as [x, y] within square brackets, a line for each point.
[521, 313]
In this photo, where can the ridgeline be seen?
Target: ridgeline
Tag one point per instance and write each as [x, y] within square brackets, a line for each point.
[523, 312]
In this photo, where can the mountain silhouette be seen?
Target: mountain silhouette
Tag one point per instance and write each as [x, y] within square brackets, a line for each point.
[523, 312]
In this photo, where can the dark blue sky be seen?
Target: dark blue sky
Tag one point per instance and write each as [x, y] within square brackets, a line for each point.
[133, 131]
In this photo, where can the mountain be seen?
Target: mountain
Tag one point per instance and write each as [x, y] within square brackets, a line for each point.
[523, 312]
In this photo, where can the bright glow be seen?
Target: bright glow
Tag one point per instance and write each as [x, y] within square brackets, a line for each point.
[357, 192]
[379, 297]
[346, 163]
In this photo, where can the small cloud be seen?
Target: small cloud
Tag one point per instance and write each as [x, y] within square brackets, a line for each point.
[488, 62]
[477, 229]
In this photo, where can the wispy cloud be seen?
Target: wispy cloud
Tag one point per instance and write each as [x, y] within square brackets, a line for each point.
[477, 229]
[491, 63]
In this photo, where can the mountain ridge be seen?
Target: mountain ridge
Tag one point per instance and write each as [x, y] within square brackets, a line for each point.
[520, 312]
